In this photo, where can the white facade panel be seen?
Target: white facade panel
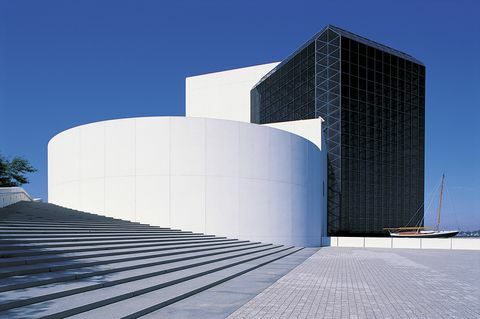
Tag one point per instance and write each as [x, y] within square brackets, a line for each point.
[92, 150]
[71, 192]
[281, 219]
[350, 242]
[436, 243]
[223, 95]
[378, 242]
[466, 243]
[187, 142]
[252, 145]
[152, 138]
[187, 203]
[92, 195]
[300, 223]
[220, 177]
[407, 242]
[280, 147]
[120, 197]
[310, 130]
[222, 163]
[222, 203]
[249, 201]
[152, 199]
[120, 148]
[300, 170]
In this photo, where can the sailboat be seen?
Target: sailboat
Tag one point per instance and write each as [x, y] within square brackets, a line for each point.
[425, 232]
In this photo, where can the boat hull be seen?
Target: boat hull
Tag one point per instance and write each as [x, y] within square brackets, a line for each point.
[432, 234]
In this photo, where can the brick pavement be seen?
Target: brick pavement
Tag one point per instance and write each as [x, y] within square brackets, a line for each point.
[374, 283]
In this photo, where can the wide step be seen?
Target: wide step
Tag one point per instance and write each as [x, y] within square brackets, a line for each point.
[144, 303]
[56, 262]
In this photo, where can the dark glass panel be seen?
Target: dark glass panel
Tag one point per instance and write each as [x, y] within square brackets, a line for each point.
[374, 128]
[383, 157]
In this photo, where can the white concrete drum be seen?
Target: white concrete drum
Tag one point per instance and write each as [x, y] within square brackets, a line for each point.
[220, 177]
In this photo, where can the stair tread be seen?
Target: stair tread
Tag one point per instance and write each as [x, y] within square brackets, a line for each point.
[84, 300]
[64, 287]
[70, 274]
[33, 254]
[57, 262]
[6, 248]
[73, 263]
[66, 255]
[14, 240]
[145, 303]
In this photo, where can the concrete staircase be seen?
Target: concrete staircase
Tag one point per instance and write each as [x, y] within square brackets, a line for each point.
[56, 263]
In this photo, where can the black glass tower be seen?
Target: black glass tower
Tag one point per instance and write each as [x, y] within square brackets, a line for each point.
[372, 99]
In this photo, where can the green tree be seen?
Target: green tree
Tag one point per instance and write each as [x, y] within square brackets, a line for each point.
[12, 172]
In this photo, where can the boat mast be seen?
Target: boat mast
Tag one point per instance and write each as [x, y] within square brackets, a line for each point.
[440, 205]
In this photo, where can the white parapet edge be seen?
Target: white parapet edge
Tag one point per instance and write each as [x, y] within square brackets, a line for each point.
[12, 195]
[455, 243]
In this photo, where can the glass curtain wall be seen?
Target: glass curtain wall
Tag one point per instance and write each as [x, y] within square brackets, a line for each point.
[383, 123]
[373, 103]
[288, 94]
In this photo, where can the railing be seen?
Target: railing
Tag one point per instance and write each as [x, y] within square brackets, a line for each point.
[11, 195]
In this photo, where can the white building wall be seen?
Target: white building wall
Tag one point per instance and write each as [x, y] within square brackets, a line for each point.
[226, 178]
[223, 95]
[408, 243]
[312, 131]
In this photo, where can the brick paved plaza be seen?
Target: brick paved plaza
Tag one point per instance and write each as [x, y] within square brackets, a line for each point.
[374, 283]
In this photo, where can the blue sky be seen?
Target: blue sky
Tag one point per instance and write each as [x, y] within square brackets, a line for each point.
[65, 63]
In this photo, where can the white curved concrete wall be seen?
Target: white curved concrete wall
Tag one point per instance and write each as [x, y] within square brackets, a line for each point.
[213, 176]
[311, 130]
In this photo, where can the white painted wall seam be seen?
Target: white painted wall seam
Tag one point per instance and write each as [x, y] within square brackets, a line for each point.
[135, 169]
[104, 168]
[170, 171]
[205, 178]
